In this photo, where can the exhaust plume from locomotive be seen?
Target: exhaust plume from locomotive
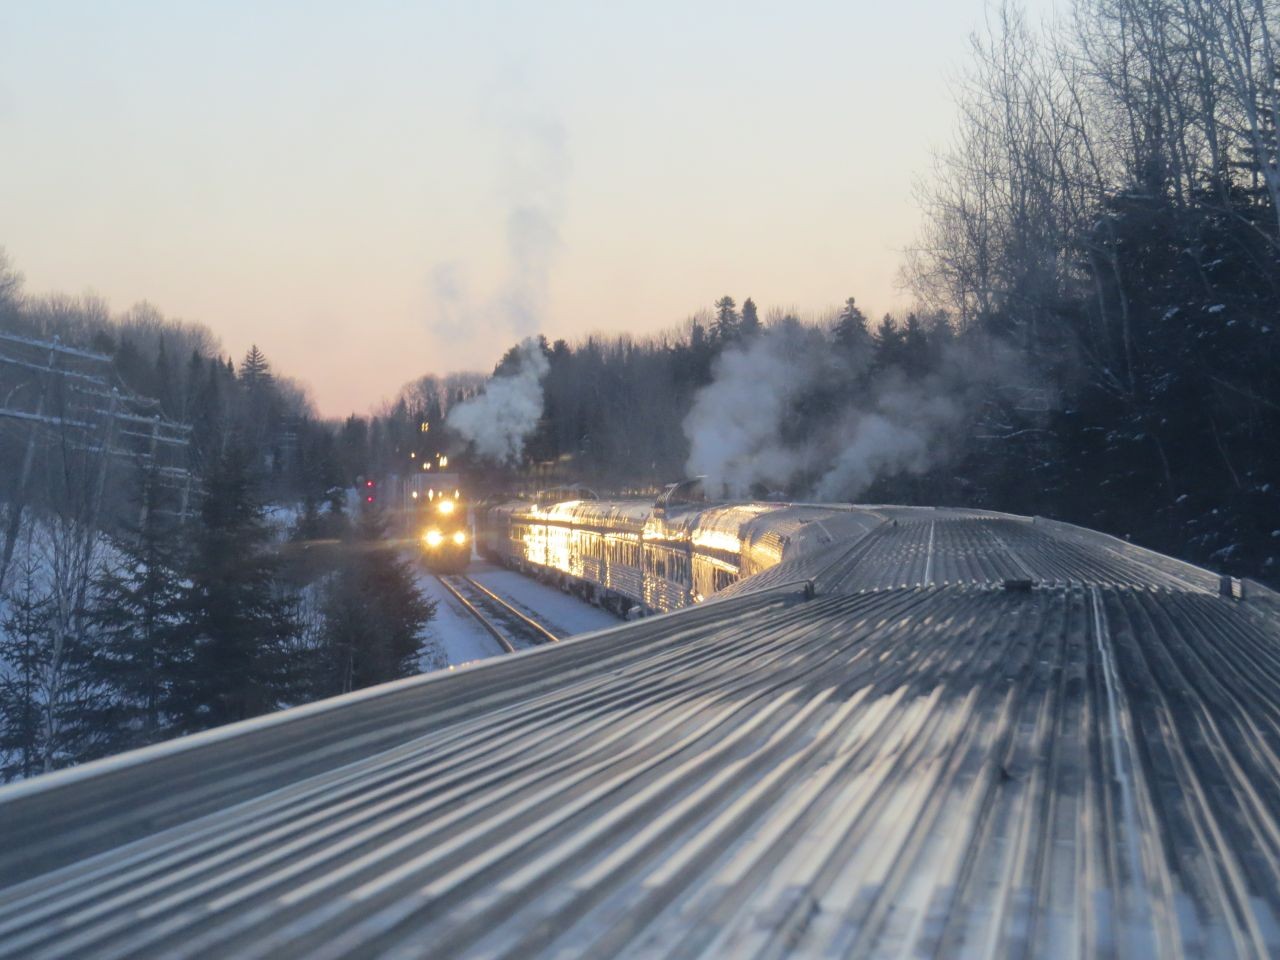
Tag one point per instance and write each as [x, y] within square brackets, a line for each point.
[532, 185]
[497, 421]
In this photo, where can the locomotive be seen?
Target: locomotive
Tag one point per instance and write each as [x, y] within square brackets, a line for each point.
[442, 517]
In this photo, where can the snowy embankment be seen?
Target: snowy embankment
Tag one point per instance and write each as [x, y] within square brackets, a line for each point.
[454, 637]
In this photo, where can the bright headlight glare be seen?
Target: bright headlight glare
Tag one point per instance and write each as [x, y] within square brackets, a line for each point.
[459, 537]
[446, 506]
[433, 537]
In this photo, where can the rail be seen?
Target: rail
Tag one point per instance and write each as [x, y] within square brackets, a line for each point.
[540, 633]
[475, 612]
[534, 625]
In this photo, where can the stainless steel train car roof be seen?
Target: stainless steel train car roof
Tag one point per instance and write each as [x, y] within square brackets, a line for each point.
[628, 515]
[984, 736]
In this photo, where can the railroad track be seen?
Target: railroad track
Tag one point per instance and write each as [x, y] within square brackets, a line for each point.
[499, 618]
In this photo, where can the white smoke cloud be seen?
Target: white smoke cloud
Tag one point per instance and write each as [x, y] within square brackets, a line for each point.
[536, 180]
[778, 413]
[498, 421]
[533, 177]
[909, 429]
[454, 313]
[532, 184]
[737, 424]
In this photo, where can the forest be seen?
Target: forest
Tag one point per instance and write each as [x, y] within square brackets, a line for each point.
[1097, 281]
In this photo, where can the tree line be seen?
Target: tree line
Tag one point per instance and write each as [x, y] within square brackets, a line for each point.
[161, 609]
[1111, 206]
[1107, 217]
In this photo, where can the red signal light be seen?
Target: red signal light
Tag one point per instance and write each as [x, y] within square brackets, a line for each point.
[368, 499]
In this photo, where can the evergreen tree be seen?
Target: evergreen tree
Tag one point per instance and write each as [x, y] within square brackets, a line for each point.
[697, 336]
[750, 325]
[374, 613]
[26, 637]
[163, 379]
[727, 325]
[193, 385]
[255, 371]
[889, 342]
[915, 347]
[850, 331]
[259, 419]
[319, 476]
[208, 416]
[237, 616]
[138, 651]
[50, 702]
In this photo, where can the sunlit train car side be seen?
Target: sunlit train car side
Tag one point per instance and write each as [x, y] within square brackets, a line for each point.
[781, 531]
[716, 544]
[624, 555]
[593, 548]
[655, 557]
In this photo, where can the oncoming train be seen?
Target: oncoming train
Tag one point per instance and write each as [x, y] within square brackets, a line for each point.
[441, 517]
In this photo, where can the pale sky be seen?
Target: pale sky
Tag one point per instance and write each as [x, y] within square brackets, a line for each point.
[373, 191]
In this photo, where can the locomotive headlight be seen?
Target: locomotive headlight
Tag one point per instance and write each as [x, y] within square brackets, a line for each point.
[459, 538]
[433, 537]
[446, 507]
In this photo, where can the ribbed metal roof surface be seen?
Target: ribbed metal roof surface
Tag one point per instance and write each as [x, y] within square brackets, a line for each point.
[922, 760]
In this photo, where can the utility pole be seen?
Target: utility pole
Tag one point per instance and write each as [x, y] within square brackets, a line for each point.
[18, 504]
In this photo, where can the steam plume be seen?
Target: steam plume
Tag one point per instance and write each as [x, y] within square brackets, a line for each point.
[784, 411]
[498, 420]
[534, 177]
[532, 185]
[904, 428]
[737, 426]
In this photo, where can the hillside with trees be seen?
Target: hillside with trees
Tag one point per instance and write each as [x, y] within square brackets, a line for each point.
[174, 526]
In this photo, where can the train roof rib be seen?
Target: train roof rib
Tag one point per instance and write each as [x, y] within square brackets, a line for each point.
[969, 734]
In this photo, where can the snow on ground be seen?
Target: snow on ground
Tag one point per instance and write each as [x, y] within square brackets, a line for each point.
[282, 518]
[563, 614]
[454, 637]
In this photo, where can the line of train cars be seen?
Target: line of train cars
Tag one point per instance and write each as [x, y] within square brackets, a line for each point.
[638, 555]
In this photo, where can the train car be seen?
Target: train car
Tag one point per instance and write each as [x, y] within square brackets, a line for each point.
[442, 516]
[634, 555]
[592, 548]
[626, 555]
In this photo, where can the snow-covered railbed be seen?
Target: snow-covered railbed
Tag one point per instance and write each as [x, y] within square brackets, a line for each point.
[562, 614]
[454, 636]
